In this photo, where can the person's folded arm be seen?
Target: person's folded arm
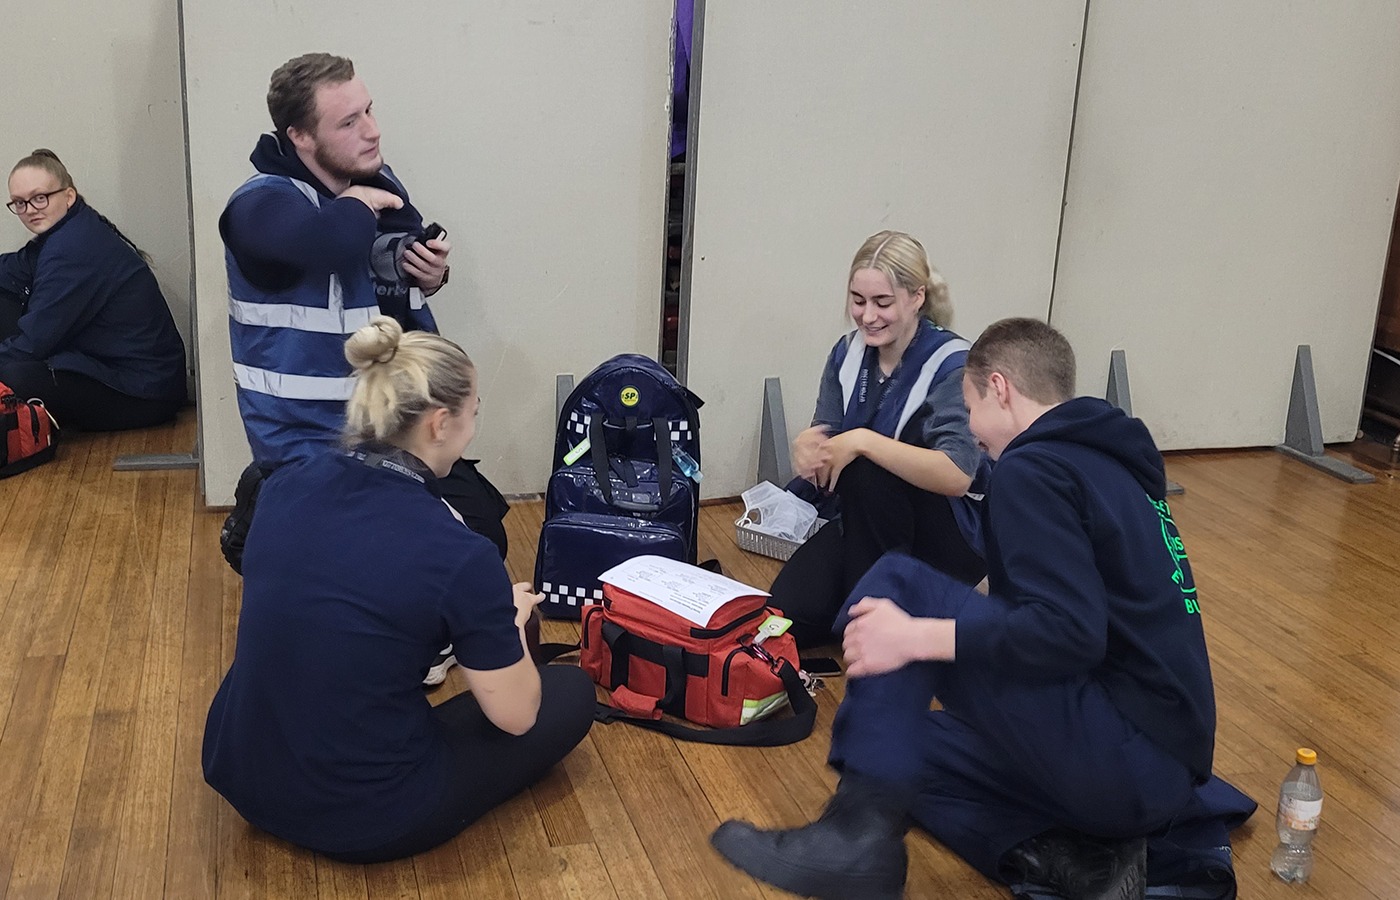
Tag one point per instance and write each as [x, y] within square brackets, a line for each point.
[1051, 618]
[277, 228]
[929, 470]
[510, 697]
[944, 460]
[66, 295]
[831, 408]
[16, 275]
[808, 454]
[16, 270]
[488, 637]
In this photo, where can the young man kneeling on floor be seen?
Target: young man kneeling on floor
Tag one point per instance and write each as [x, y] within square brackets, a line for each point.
[1078, 717]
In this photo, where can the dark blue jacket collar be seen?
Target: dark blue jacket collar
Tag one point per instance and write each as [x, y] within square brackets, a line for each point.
[396, 460]
[274, 156]
[77, 209]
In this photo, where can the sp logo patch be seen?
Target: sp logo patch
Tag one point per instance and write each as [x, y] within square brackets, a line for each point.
[629, 396]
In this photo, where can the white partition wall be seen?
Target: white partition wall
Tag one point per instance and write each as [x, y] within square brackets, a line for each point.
[99, 84]
[1230, 196]
[536, 132]
[820, 124]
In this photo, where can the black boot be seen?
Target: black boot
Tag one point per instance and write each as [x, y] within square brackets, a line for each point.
[1081, 867]
[854, 851]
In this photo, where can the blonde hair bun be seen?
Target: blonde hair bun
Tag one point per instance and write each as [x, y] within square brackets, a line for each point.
[377, 342]
[400, 376]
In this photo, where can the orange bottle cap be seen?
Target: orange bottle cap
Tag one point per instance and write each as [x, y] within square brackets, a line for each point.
[1307, 756]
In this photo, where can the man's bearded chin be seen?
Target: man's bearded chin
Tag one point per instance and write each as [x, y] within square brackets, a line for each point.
[339, 170]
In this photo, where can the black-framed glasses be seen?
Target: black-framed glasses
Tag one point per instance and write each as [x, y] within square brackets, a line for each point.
[38, 201]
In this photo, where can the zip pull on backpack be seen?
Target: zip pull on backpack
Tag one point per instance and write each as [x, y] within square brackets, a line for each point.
[625, 482]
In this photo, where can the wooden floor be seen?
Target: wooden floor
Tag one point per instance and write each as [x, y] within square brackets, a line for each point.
[117, 619]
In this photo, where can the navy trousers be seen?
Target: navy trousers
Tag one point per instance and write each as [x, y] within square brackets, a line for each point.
[1005, 758]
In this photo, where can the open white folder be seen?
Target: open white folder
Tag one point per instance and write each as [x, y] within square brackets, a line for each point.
[688, 591]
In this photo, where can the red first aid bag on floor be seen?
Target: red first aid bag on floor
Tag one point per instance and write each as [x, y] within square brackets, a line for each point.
[655, 661]
[31, 434]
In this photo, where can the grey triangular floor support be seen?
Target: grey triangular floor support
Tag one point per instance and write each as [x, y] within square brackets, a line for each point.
[1121, 396]
[774, 465]
[1302, 433]
[1118, 393]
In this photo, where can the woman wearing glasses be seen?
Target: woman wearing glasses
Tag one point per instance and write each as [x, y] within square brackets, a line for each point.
[83, 324]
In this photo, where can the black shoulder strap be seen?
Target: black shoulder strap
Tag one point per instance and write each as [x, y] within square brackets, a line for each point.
[767, 733]
[598, 450]
[661, 430]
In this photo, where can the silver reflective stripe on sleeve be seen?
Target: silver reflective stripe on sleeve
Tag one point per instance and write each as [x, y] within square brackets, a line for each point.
[335, 319]
[850, 368]
[918, 392]
[293, 387]
[307, 190]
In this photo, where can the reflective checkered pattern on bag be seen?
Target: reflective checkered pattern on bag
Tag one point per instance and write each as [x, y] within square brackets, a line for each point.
[565, 595]
[579, 422]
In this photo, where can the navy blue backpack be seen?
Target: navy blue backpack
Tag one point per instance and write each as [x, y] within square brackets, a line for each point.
[626, 461]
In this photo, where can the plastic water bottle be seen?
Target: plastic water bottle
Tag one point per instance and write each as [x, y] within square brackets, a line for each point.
[1299, 809]
[687, 464]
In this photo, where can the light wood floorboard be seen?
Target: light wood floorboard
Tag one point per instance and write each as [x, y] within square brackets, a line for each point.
[118, 618]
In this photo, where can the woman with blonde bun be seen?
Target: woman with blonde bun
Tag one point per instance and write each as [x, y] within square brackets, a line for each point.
[356, 573]
[83, 324]
[889, 453]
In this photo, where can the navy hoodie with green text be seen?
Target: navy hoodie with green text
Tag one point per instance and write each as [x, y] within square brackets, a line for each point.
[1082, 547]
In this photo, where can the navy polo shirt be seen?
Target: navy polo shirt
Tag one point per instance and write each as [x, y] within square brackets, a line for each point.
[355, 578]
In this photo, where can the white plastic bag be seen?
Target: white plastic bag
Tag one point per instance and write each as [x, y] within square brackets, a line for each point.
[773, 511]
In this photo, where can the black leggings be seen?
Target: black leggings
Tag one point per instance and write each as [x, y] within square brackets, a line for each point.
[84, 403]
[489, 766]
[880, 512]
[75, 400]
